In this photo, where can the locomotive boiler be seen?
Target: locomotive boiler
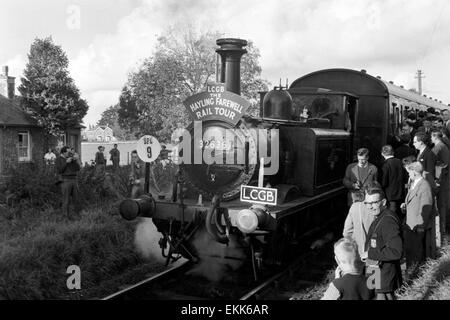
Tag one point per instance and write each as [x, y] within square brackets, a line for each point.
[299, 146]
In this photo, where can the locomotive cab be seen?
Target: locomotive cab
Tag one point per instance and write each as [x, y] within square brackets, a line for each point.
[309, 105]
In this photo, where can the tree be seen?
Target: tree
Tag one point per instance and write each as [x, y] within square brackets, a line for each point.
[48, 92]
[110, 118]
[183, 63]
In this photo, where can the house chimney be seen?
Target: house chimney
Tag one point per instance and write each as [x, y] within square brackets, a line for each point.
[7, 84]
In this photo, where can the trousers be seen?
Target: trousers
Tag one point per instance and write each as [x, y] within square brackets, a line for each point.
[69, 189]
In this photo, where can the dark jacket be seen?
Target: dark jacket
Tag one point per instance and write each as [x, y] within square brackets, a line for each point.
[442, 154]
[115, 154]
[392, 179]
[137, 170]
[66, 169]
[412, 134]
[100, 158]
[428, 161]
[384, 244]
[352, 175]
[353, 287]
[404, 151]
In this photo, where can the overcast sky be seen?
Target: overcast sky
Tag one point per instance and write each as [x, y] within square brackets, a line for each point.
[390, 38]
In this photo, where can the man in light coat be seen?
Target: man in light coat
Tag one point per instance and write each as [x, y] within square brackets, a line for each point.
[418, 204]
[358, 221]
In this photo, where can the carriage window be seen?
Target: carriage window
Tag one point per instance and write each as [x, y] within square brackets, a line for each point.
[322, 106]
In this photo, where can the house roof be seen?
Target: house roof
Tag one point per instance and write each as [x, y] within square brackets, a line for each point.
[12, 115]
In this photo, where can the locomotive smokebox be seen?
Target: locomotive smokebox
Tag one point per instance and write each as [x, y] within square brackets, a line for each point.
[231, 51]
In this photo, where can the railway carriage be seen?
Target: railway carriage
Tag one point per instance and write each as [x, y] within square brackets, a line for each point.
[381, 104]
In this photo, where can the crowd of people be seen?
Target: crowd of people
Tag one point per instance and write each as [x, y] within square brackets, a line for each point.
[68, 164]
[398, 212]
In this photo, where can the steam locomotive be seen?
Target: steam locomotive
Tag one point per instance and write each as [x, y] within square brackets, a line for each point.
[317, 124]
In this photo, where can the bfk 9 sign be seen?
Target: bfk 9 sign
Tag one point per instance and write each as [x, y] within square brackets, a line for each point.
[148, 148]
[259, 195]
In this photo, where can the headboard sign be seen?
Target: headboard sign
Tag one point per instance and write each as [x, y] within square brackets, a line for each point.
[216, 104]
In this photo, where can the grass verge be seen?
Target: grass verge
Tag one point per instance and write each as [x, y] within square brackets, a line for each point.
[37, 247]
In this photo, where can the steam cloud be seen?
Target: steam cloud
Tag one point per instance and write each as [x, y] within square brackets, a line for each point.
[146, 240]
[215, 263]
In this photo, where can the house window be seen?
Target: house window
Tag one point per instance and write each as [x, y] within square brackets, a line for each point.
[24, 146]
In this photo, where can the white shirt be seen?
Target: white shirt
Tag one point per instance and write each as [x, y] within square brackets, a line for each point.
[420, 153]
[50, 156]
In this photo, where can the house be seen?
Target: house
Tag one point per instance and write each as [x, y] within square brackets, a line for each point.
[21, 138]
[98, 134]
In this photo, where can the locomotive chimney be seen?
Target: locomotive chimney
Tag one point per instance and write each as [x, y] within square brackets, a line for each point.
[231, 51]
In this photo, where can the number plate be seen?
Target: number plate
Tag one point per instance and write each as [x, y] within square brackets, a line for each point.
[259, 195]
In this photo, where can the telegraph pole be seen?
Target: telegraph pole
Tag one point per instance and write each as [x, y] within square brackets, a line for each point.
[420, 76]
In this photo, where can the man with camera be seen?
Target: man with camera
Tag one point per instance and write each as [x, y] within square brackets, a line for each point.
[67, 165]
[358, 175]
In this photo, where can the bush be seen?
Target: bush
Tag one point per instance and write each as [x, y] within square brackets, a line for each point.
[37, 186]
[33, 264]
[112, 185]
[33, 185]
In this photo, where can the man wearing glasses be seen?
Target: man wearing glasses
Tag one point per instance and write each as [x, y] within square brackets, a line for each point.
[384, 247]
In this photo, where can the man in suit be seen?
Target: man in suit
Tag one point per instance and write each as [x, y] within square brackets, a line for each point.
[425, 156]
[392, 178]
[442, 162]
[417, 231]
[384, 246]
[358, 175]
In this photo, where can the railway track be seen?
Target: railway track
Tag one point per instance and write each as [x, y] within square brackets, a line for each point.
[176, 283]
[137, 290]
